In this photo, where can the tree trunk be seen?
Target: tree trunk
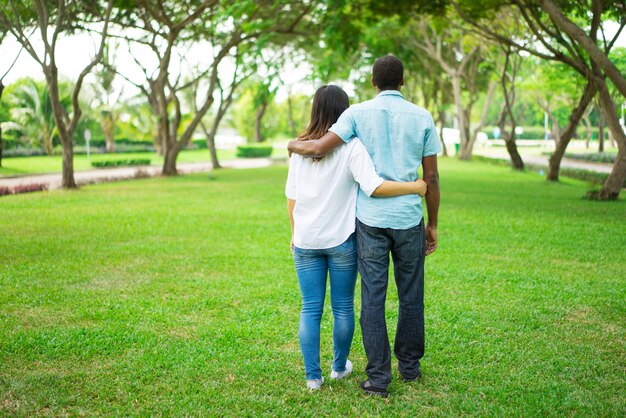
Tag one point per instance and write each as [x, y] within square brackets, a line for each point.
[47, 140]
[588, 130]
[615, 182]
[511, 147]
[554, 165]
[65, 135]
[464, 152]
[601, 133]
[211, 145]
[483, 116]
[258, 131]
[169, 160]
[68, 165]
[210, 141]
[108, 128]
[441, 118]
[509, 137]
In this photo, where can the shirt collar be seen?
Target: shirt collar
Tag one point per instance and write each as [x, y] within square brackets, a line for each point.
[390, 93]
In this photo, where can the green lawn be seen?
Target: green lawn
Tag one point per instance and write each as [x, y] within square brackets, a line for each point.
[178, 296]
[44, 164]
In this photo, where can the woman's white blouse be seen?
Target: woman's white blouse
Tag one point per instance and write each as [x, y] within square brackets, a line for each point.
[325, 192]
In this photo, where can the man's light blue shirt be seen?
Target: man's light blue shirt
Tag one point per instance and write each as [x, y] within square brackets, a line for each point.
[397, 134]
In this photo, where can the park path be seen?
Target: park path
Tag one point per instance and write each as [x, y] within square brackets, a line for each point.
[542, 160]
[53, 180]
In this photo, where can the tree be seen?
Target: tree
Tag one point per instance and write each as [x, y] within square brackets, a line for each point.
[508, 76]
[168, 28]
[555, 32]
[52, 19]
[3, 110]
[32, 109]
[462, 58]
[105, 96]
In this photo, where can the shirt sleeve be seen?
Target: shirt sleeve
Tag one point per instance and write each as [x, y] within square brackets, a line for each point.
[362, 168]
[432, 146]
[290, 188]
[345, 127]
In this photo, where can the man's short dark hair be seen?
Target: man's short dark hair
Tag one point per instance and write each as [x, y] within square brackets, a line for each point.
[387, 72]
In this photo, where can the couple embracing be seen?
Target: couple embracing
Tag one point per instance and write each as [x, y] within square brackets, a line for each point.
[351, 205]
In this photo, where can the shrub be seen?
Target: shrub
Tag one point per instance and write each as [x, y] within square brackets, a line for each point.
[598, 157]
[528, 132]
[254, 151]
[23, 188]
[120, 163]
[592, 177]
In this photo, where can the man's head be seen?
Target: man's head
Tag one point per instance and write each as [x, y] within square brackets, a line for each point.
[387, 73]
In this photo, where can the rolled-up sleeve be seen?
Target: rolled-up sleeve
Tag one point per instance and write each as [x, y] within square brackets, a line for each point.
[431, 139]
[345, 127]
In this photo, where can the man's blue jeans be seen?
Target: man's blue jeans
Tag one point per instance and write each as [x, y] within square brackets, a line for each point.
[408, 249]
[312, 268]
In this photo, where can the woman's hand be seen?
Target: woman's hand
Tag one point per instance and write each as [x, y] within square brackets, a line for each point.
[291, 246]
[422, 186]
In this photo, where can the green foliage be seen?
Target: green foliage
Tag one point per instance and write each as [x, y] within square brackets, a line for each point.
[275, 123]
[114, 303]
[31, 109]
[597, 157]
[254, 151]
[120, 163]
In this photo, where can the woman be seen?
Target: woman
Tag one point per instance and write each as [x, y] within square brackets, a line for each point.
[321, 196]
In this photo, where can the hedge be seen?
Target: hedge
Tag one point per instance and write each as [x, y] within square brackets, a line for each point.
[598, 157]
[254, 151]
[120, 163]
[593, 177]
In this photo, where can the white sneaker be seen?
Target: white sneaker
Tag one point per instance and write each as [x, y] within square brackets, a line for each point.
[315, 384]
[340, 375]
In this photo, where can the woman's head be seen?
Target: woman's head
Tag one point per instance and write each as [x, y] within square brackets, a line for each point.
[329, 102]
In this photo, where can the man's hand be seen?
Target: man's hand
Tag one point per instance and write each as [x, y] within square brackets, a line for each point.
[431, 239]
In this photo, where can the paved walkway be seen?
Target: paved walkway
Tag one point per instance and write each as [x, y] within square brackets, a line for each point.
[542, 160]
[53, 181]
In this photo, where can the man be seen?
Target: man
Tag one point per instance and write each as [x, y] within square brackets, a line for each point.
[399, 136]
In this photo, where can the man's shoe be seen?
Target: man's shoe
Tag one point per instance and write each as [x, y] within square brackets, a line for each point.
[372, 390]
[314, 384]
[340, 375]
[406, 379]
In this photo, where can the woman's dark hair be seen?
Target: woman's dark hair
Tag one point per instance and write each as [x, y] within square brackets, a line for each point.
[329, 102]
[387, 72]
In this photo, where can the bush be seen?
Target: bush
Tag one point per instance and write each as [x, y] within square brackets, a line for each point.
[23, 188]
[592, 177]
[120, 163]
[254, 151]
[197, 144]
[529, 132]
[22, 152]
[598, 157]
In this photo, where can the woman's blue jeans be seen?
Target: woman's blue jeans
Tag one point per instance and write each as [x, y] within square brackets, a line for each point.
[312, 268]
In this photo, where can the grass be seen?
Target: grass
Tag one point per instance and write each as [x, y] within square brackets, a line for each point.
[19, 166]
[177, 296]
